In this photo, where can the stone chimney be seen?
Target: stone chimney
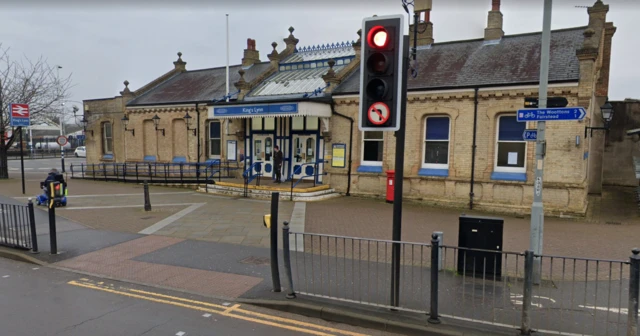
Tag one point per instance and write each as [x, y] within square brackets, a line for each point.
[180, 64]
[425, 27]
[494, 22]
[251, 55]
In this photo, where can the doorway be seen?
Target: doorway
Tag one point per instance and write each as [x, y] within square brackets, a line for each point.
[304, 156]
[263, 153]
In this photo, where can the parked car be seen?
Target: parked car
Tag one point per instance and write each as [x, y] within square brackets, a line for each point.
[81, 151]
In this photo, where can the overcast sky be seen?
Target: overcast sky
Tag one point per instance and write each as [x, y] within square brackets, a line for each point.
[103, 42]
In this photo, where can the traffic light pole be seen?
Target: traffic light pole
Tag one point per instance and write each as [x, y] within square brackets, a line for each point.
[537, 209]
[399, 174]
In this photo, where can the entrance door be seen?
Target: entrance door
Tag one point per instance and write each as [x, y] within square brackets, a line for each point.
[304, 156]
[263, 153]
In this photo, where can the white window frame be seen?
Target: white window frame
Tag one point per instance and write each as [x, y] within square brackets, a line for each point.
[211, 156]
[425, 141]
[499, 169]
[106, 140]
[371, 163]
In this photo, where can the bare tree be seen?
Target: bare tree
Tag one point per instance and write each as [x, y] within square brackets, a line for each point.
[27, 82]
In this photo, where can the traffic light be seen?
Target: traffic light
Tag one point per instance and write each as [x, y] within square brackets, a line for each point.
[381, 65]
[532, 102]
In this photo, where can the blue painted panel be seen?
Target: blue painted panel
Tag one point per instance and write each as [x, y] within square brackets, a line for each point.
[308, 170]
[370, 169]
[149, 158]
[178, 159]
[297, 169]
[509, 176]
[267, 168]
[433, 172]
[108, 156]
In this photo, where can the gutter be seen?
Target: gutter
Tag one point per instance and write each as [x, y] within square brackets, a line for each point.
[333, 112]
[473, 146]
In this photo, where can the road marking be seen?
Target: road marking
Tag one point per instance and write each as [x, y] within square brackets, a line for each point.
[181, 333]
[5, 276]
[515, 297]
[162, 298]
[120, 195]
[613, 310]
[230, 309]
[122, 206]
[297, 225]
[169, 220]
[206, 315]
[35, 268]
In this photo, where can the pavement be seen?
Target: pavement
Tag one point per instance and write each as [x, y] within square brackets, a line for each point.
[215, 246]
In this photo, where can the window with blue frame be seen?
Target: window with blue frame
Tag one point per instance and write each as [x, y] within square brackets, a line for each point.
[436, 143]
[215, 140]
[511, 149]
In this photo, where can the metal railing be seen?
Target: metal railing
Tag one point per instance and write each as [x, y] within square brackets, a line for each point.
[18, 226]
[567, 296]
[39, 154]
[297, 170]
[179, 173]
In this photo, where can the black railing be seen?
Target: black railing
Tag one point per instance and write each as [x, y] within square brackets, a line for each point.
[566, 295]
[18, 226]
[137, 172]
[39, 154]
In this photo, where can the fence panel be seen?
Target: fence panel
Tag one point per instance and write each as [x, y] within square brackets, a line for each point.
[15, 226]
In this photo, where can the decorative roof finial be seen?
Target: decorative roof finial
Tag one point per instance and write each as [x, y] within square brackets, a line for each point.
[126, 88]
[179, 56]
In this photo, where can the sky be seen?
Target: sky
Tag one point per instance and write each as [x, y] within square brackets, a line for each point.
[101, 43]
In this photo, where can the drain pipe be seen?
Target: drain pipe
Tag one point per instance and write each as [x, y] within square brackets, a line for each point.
[473, 147]
[333, 111]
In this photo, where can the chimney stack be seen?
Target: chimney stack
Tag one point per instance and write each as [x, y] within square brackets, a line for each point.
[425, 29]
[494, 22]
[251, 55]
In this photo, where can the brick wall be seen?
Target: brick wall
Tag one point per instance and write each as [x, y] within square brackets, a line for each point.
[565, 172]
[620, 148]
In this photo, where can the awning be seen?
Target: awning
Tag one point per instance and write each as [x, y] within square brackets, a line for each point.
[269, 110]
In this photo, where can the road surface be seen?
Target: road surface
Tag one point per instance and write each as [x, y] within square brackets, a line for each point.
[44, 301]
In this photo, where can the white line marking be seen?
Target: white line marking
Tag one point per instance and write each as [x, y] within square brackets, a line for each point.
[5, 276]
[206, 315]
[161, 224]
[123, 206]
[297, 225]
[35, 268]
[226, 304]
[181, 333]
[613, 310]
[120, 195]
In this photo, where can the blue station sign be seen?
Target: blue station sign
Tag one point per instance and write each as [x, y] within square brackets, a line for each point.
[260, 109]
[530, 135]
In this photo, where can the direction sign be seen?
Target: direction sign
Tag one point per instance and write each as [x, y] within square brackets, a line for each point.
[62, 140]
[378, 113]
[530, 135]
[20, 115]
[550, 114]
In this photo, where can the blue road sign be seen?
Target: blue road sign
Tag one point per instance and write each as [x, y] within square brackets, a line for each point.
[530, 135]
[550, 114]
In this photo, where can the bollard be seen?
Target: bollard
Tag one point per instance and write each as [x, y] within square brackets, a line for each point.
[440, 254]
[147, 200]
[287, 259]
[525, 329]
[32, 224]
[435, 256]
[634, 293]
[53, 237]
[275, 271]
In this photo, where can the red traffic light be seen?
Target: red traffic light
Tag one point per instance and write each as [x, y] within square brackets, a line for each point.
[378, 37]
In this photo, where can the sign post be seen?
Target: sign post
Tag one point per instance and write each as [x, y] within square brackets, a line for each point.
[530, 135]
[20, 117]
[62, 141]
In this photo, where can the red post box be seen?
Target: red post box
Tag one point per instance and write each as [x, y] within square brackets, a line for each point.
[390, 179]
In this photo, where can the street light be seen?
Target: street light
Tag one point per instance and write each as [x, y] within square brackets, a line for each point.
[607, 115]
[85, 122]
[125, 123]
[156, 121]
[187, 121]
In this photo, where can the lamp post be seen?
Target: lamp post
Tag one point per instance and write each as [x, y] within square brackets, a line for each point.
[607, 115]
[187, 120]
[85, 122]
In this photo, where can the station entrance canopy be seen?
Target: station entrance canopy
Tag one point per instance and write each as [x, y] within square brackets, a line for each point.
[270, 110]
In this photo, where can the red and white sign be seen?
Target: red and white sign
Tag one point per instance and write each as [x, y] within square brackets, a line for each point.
[62, 140]
[379, 113]
[20, 110]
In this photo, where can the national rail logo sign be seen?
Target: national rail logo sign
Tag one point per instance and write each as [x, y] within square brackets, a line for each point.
[20, 115]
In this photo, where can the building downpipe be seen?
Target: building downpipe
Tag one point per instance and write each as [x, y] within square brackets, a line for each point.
[333, 111]
[473, 146]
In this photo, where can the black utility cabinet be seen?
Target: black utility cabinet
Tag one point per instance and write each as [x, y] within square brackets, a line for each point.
[483, 233]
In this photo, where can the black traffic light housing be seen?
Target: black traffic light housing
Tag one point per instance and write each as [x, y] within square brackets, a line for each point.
[532, 102]
[381, 65]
